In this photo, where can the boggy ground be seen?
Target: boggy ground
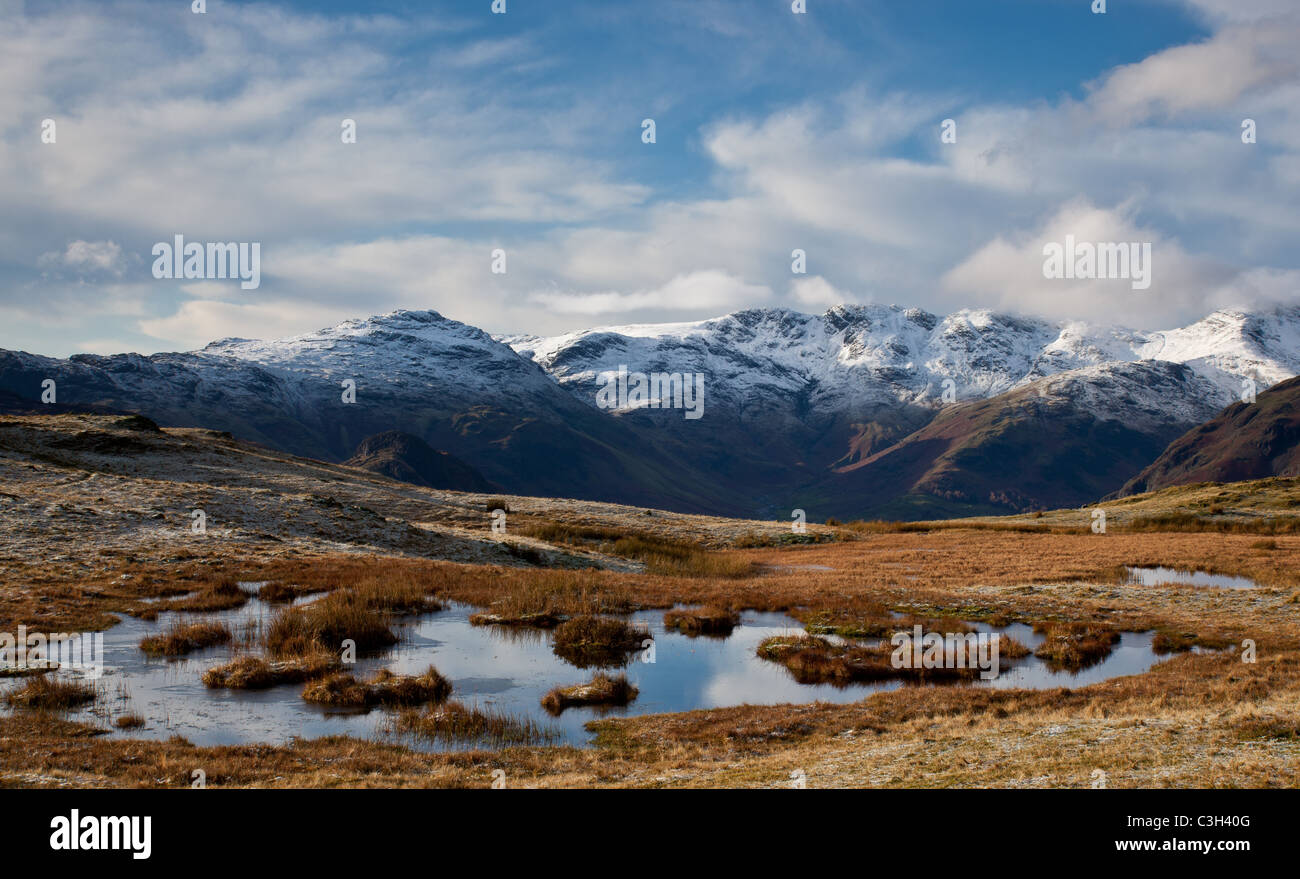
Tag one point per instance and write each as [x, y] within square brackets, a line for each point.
[94, 522]
[1199, 719]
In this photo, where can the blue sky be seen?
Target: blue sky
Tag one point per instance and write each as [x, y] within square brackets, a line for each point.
[521, 131]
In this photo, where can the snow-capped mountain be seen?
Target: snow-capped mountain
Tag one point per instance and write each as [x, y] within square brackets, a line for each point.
[862, 410]
[855, 357]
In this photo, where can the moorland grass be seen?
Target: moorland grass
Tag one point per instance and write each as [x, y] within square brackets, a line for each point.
[342, 690]
[183, 638]
[1074, 645]
[587, 641]
[257, 673]
[602, 689]
[455, 723]
[694, 621]
[48, 693]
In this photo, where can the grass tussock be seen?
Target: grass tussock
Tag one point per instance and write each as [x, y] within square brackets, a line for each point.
[455, 723]
[695, 621]
[326, 623]
[275, 592]
[129, 721]
[1010, 648]
[359, 611]
[588, 641]
[48, 693]
[871, 619]
[602, 689]
[546, 599]
[184, 638]
[815, 660]
[256, 673]
[1166, 641]
[342, 690]
[1075, 645]
[221, 594]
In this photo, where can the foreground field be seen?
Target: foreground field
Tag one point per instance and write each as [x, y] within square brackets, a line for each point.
[1199, 719]
[1203, 717]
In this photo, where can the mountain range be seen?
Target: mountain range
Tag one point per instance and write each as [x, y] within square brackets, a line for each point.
[863, 411]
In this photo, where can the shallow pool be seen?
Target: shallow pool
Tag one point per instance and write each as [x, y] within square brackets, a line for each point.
[508, 670]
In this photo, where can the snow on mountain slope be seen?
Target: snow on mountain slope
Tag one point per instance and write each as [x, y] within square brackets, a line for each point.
[397, 351]
[855, 357]
[791, 400]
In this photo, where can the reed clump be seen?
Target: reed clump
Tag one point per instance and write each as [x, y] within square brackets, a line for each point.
[454, 723]
[49, 693]
[342, 690]
[258, 673]
[1074, 645]
[587, 641]
[602, 689]
[696, 621]
[185, 638]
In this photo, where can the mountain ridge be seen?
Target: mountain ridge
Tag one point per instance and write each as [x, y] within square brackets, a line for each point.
[798, 406]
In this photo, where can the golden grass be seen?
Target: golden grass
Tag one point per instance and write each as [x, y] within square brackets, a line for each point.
[223, 594]
[660, 553]
[454, 723]
[183, 638]
[542, 599]
[1182, 521]
[602, 689]
[1204, 720]
[48, 693]
[1074, 645]
[588, 641]
[1010, 648]
[325, 624]
[696, 621]
[256, 673]
[814, 660]
[1179, 724]
[342, 690]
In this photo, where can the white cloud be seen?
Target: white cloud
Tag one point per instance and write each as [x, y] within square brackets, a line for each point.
[1209, 75]
[816, 292]
[708, 291]
[95, 257]
[1009, 271]
[200, 321]
[227, 129]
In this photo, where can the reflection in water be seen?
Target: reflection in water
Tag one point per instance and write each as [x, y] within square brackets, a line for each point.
[1159, 576]
[506, 669]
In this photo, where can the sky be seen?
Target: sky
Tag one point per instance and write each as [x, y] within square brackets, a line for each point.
[523, 132]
